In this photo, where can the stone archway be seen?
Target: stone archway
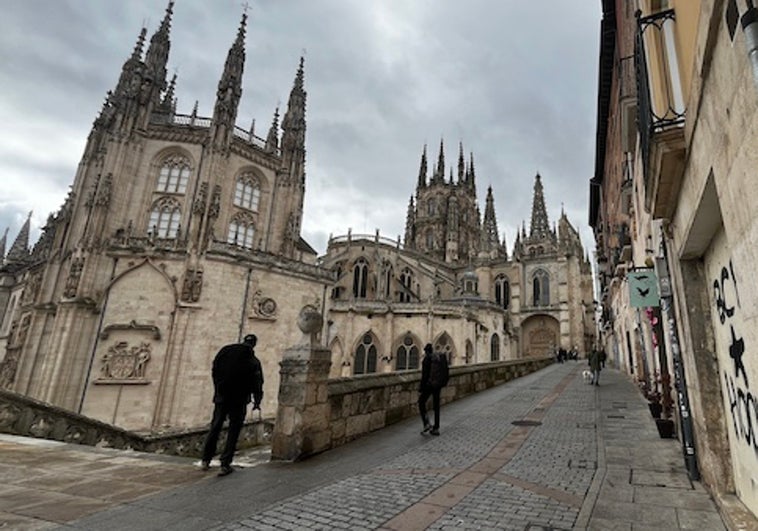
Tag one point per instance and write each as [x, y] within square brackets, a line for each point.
[540, 335]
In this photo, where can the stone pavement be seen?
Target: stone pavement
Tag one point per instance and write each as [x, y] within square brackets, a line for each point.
[544, 452]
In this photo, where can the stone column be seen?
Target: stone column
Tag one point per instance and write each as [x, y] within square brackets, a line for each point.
[302, 419]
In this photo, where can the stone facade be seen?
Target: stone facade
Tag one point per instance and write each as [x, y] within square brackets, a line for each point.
[690, 220]
[181, 233]
[461, 293]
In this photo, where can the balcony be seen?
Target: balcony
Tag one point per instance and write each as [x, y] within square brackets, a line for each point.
[661, 113]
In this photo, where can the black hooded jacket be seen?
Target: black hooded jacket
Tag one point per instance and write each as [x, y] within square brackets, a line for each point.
[237, 375]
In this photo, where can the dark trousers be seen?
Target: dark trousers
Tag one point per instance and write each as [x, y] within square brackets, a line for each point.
[236, 414]
[422, 398]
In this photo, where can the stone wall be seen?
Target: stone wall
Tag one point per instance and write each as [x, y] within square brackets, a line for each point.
[20, 415]
[361, 404]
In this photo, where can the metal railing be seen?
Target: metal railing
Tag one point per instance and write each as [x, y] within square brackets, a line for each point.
[654, 50]
[203, 122]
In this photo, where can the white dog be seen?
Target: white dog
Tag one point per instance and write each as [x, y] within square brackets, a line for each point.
[587, 376]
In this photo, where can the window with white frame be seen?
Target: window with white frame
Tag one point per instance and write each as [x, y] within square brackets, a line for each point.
[173, 175]
[247, 192]
[165, 217]
[241, 232]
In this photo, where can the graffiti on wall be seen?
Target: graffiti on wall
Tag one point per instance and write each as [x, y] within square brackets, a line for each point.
[743, 405]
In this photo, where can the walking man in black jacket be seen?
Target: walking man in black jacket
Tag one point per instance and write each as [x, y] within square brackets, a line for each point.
[434, 376]
[237, 376]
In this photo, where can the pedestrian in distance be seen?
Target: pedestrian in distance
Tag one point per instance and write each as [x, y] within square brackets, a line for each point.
[603, 356]
[237, 377]
[594, 363]
[434, 376]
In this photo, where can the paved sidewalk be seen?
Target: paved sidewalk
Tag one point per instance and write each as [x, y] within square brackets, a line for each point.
[546, 451]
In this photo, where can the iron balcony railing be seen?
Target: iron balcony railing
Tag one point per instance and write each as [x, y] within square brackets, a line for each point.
[661, 106]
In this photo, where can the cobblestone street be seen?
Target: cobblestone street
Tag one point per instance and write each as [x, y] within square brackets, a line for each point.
[546, 451]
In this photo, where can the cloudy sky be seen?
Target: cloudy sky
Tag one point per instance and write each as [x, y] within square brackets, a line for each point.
[514, 80]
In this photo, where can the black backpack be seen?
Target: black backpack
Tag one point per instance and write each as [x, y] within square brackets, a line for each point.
[438, 373]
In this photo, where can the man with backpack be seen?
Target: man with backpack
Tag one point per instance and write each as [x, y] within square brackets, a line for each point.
[237, 378]
[434, 376]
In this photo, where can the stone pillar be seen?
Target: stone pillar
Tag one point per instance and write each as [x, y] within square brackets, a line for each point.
[302, 419]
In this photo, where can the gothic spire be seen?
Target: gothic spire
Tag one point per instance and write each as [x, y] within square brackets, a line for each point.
[472, 182]
[410, 222]
[130, 65]
[440, 173]
[489, 236]
[422, 170]
[461, 164]
[2, 245]
[272, 139]
[157, 53]
[293, 126]
[229, 90]
[540, 226]
[20, 249]
[168, 102]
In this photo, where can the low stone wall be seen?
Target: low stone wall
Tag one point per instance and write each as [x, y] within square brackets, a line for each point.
[20, 415]
[361, 404]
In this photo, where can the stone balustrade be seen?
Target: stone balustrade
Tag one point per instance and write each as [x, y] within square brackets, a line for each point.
[21, 415]
[316, 414]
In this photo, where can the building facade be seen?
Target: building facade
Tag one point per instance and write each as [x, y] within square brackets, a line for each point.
[182, 233]
[671, 197]
[451, 283]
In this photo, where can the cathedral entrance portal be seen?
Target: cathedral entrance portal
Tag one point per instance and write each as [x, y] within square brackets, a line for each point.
[540, 335]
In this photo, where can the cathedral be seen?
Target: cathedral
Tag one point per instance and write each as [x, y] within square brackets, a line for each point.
[181, 233]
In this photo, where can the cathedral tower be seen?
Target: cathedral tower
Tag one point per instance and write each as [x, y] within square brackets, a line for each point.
[444, 222]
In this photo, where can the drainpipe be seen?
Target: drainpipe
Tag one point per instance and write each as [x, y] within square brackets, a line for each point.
[750, 27]
[680, 381]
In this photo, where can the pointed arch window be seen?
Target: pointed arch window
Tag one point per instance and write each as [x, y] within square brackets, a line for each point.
[430, 239]
[388, 278]
[502, 292]
[469, 352]
[406, 283]
[173, 175]
[541, 288]
[241, 231]
[338, 289]
[165, 217]
[444, 344]
[365, 356]
[360, 278]
[247, 192]
[407, 355]
[495, 348]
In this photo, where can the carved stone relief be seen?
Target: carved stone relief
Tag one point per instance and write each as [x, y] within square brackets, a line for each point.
[22, 331]
[33, 283]
[193, 285]
[8, 369]
[9, 414]
[215, 202]
[122, 363]
[74, 274]
[263, 307]
[202, 196]
[103, 197]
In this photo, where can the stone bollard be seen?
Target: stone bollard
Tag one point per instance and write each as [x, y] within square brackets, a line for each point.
[302, 419]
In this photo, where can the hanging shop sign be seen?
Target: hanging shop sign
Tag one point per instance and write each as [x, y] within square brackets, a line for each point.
[643, 288]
